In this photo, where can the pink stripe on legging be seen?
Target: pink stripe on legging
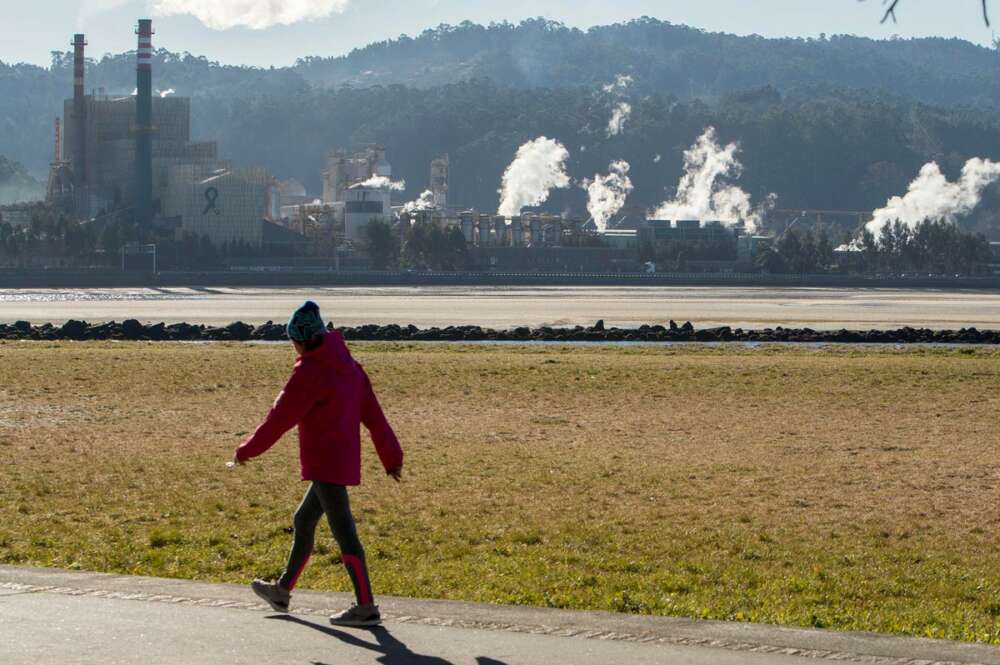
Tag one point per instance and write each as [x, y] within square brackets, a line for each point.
[295, 579]
[364, 588]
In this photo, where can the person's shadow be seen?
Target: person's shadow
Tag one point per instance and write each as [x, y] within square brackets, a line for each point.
[393, 651]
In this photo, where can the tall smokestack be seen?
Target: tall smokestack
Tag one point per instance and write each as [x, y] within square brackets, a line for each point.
[79, 147]
[144, 125]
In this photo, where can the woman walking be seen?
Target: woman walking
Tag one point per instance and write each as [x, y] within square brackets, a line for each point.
[328, 396]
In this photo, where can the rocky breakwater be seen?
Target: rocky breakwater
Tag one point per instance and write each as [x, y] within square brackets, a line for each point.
[270, 331]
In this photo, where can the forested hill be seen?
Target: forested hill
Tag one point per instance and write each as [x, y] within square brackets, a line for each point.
[660, 57]
[668, 59]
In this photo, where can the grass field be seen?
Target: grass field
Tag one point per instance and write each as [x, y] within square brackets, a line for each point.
[846, 488]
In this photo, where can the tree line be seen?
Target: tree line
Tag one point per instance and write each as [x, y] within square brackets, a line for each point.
[931, 247]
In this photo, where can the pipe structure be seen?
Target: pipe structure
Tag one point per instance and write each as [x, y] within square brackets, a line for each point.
[500, 230]
[79, 147]
[144, 125]
[516, 235]
[467, 227]
[484, 230]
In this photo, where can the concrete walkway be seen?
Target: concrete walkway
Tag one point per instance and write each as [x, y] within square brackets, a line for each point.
[52, 616]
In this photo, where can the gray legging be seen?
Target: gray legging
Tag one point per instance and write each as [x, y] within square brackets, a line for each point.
[332, 500]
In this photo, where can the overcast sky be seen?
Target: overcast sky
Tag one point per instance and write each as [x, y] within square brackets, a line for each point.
[29, 30]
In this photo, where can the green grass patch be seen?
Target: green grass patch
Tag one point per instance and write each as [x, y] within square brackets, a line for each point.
[847, 488]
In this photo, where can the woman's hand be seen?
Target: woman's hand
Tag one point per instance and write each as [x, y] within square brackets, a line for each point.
[396, 474]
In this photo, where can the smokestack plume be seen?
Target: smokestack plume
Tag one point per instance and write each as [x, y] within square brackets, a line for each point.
[79, 147]
[538, 167]
[144, 124]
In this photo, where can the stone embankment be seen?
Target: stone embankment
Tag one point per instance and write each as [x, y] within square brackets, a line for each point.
[243, 332]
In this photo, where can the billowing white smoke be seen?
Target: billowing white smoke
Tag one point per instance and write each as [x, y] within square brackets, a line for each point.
[656, 160]
[425, 202]
[538, 167]
[167, 92]
[619, 115]
[382, 182]
[701, 195]
[622, 109]
[930, 197]
[606, 194]
[620, 84]
[254, 14]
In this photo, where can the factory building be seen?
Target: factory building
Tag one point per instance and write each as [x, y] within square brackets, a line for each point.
[344, 172]
[134, 153]
[119, 149]
[439, 181]
[110, 152]
[363, 205]
[228, 205]
[657, 231]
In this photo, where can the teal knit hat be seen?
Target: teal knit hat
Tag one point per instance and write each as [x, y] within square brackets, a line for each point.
[305, 322]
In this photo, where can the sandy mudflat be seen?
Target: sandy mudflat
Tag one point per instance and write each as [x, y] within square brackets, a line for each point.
[507, 307]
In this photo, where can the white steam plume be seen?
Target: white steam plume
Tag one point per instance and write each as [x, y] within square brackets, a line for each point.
[656, 160]
[538, 167]
[622, 109]
[701, 196]
[425, 202]
[930, 197]
[165, 93]
[606, 194]
[253, 14]
[619, 115]
[382, 182]
[620, 84]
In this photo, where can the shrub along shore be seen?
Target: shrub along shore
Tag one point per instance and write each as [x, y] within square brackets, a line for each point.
[134, 330]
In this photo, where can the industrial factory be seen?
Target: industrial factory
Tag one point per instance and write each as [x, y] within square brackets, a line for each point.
[132, 157]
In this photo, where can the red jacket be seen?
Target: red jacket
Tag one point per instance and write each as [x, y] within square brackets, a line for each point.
[328, 396]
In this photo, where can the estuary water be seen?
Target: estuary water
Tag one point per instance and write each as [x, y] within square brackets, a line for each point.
[505, 307]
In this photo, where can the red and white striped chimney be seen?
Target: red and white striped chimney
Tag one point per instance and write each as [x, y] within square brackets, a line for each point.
[79, 147]
[144, 124]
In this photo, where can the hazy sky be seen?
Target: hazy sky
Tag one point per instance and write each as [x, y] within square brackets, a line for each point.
[30, 30]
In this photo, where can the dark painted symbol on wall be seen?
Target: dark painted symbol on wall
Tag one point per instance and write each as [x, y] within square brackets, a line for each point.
[211, 194]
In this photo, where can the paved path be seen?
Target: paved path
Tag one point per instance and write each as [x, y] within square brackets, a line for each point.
[50, 616]
[499, 307]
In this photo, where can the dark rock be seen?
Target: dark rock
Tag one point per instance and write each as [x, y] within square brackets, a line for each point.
[132, 329]
[687, 327]
[599, 325]
[73, 329]
[157, 332]
[270, 332]
[22, 327]
[239, 331]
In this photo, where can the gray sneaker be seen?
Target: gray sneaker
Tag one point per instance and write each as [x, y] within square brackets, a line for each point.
[358, 615]
[276, 595]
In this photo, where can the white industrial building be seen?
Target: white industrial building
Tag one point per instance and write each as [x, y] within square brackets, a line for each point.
[363, 205]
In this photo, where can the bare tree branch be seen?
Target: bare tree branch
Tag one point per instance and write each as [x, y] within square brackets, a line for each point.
[890, 11]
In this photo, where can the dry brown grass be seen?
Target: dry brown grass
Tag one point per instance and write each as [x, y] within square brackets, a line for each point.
[851, 488]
